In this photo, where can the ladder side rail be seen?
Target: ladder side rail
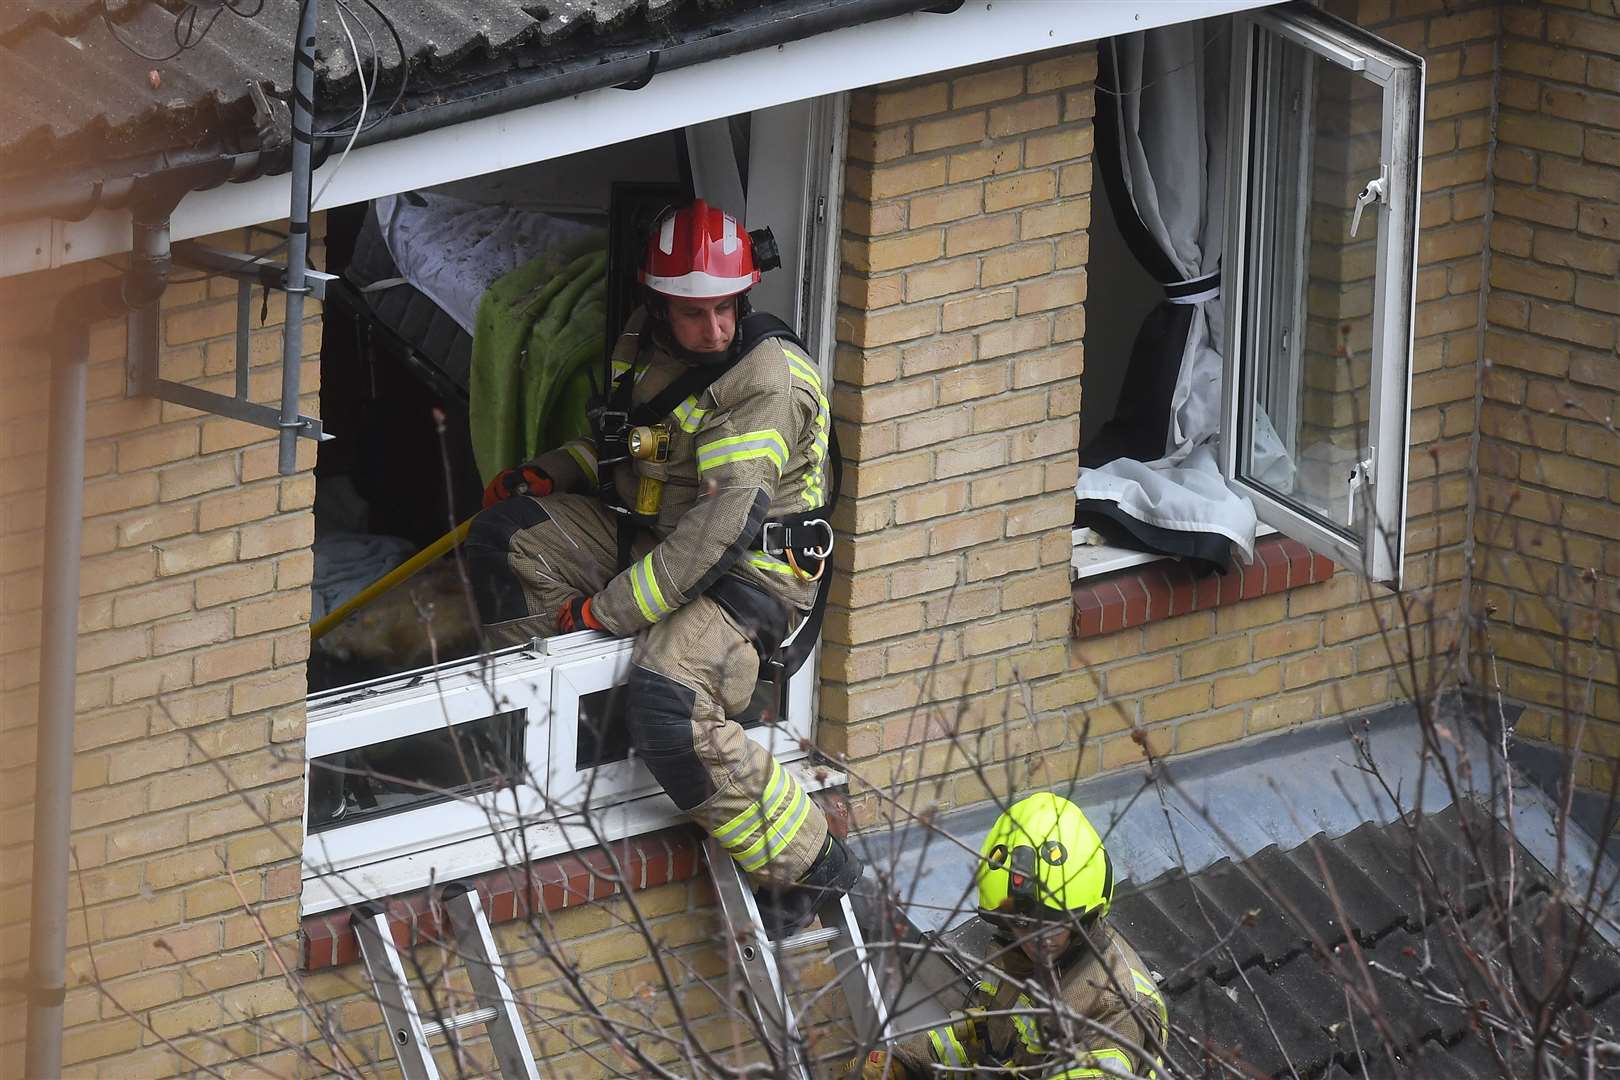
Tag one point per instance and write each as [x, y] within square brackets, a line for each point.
[487, 973]
[757, 958]
[857, 975]
[393, 994]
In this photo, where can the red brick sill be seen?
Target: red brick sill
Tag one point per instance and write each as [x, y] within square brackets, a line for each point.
[552, 884]
[1109, 603]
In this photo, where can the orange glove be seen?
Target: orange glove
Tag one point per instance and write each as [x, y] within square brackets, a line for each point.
[523, 480]
[576, 615]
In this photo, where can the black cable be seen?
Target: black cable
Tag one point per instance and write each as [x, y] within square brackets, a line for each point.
[186, 35]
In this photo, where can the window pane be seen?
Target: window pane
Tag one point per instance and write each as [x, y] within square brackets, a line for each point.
[416, 770]
[1318, 133]
[604, 737]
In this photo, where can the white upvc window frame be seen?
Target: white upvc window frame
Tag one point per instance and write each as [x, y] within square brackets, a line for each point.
[1379, 551]
[541, 816]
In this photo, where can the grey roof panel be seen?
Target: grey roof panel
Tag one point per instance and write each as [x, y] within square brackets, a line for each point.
[74, 79]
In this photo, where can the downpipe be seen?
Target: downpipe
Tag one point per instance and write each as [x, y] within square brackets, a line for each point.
[138, 293]
[58, 664]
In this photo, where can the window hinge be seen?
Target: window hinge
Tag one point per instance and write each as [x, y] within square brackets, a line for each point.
[1375, 191]
[821, 208]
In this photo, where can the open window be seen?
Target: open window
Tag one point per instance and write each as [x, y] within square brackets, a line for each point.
[1321, 257]
[427, 761]
[1248, 353]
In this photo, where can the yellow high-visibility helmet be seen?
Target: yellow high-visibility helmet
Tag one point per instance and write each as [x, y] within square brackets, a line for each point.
[1044, 857]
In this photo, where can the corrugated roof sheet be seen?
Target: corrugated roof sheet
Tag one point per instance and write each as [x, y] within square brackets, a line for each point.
[74, 94]
[1245, 975]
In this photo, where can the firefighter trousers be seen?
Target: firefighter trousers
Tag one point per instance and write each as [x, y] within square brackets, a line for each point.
[690, 674]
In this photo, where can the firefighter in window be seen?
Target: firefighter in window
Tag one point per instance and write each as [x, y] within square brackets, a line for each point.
[694, 521]
[1068, 1000]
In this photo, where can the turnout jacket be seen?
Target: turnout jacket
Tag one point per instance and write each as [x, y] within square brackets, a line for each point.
[1016, 1021]
[750, 447]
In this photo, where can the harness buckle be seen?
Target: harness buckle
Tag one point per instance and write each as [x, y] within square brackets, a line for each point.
[821, 552]
[773, 546]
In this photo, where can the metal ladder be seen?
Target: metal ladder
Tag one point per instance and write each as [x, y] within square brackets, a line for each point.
[757, 958]
[475, 946]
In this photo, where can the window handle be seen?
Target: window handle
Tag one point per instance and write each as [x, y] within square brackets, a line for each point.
[1373, 192]
[1360, 477]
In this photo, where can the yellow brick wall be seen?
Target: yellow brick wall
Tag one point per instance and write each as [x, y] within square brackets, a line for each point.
[192, 640]
[577, 969]
[965, 262]
[1549, 455]
[957, 394]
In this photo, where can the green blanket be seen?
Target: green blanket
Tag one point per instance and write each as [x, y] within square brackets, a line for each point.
[540, 328]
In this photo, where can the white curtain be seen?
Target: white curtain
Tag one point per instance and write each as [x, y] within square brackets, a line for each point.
[1170, 113]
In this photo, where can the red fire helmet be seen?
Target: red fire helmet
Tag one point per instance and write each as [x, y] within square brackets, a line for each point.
[699, 253]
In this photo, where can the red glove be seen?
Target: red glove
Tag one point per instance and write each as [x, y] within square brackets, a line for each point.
[576, 615]
[523, 480]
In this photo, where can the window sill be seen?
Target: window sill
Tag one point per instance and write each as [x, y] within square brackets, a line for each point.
[1113, 601]
[510, 893]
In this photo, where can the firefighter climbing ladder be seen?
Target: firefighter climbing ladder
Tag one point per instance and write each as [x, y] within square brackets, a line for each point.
[475, 946]
[756, 956]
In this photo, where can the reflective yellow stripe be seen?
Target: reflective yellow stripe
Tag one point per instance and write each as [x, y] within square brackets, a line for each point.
[767, 444]
[947, 1048]
[777, 837]
[688, 415]
[1149, 989]
[644, 585]
[584, 456]
[1107, 1062]
[1029, 1032]
[741, 827]
[770, 564]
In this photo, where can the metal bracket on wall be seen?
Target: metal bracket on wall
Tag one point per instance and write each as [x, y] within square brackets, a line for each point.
[248, 270]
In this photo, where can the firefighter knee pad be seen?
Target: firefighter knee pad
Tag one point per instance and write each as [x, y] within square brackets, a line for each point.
[660, 720]
[489, 545]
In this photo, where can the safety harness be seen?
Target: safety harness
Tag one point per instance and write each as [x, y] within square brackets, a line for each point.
[803, 540]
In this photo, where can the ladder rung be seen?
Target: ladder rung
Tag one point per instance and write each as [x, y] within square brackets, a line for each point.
[430, 1028]
[810, 939]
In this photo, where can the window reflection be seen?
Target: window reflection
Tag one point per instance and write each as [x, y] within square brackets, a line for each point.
[416, 770]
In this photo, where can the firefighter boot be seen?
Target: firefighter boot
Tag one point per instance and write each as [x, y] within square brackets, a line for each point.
[785, 910]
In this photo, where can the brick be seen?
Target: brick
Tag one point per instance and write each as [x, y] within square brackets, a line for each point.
[890, 106]
[1020, 190]
[1069, 216]
[1023, 116]
[1006, 413]
[893, 253]
[158, 523]
[1023, 261]
[936, 355]
[235, 507]
[985, 87]
[194, 631]
[978, 309]
[195, 553]
[1022, 335]
[980, 234]
[1248, 686]
[877, 146]
[1593, 256]
[938, 280]
[884, 328]
[1539, 133]
[247, 579]
[939, 207]
[1140, 675]
[1067, 144]
[196, 477]
[158, 447]
[889, 181]
[948, 131]
[990, 161]
[1079, 68]
[956, 533]
[1210, 731]
[1176, 703]
[1050, 292]
[272, 613]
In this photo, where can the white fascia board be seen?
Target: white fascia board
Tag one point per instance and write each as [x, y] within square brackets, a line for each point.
[899, 48]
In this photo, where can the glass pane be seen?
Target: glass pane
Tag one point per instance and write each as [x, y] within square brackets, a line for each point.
[604, 738]
[416, 770]
[1310, 284]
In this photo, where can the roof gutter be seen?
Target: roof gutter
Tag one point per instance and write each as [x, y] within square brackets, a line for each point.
[75, 197]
